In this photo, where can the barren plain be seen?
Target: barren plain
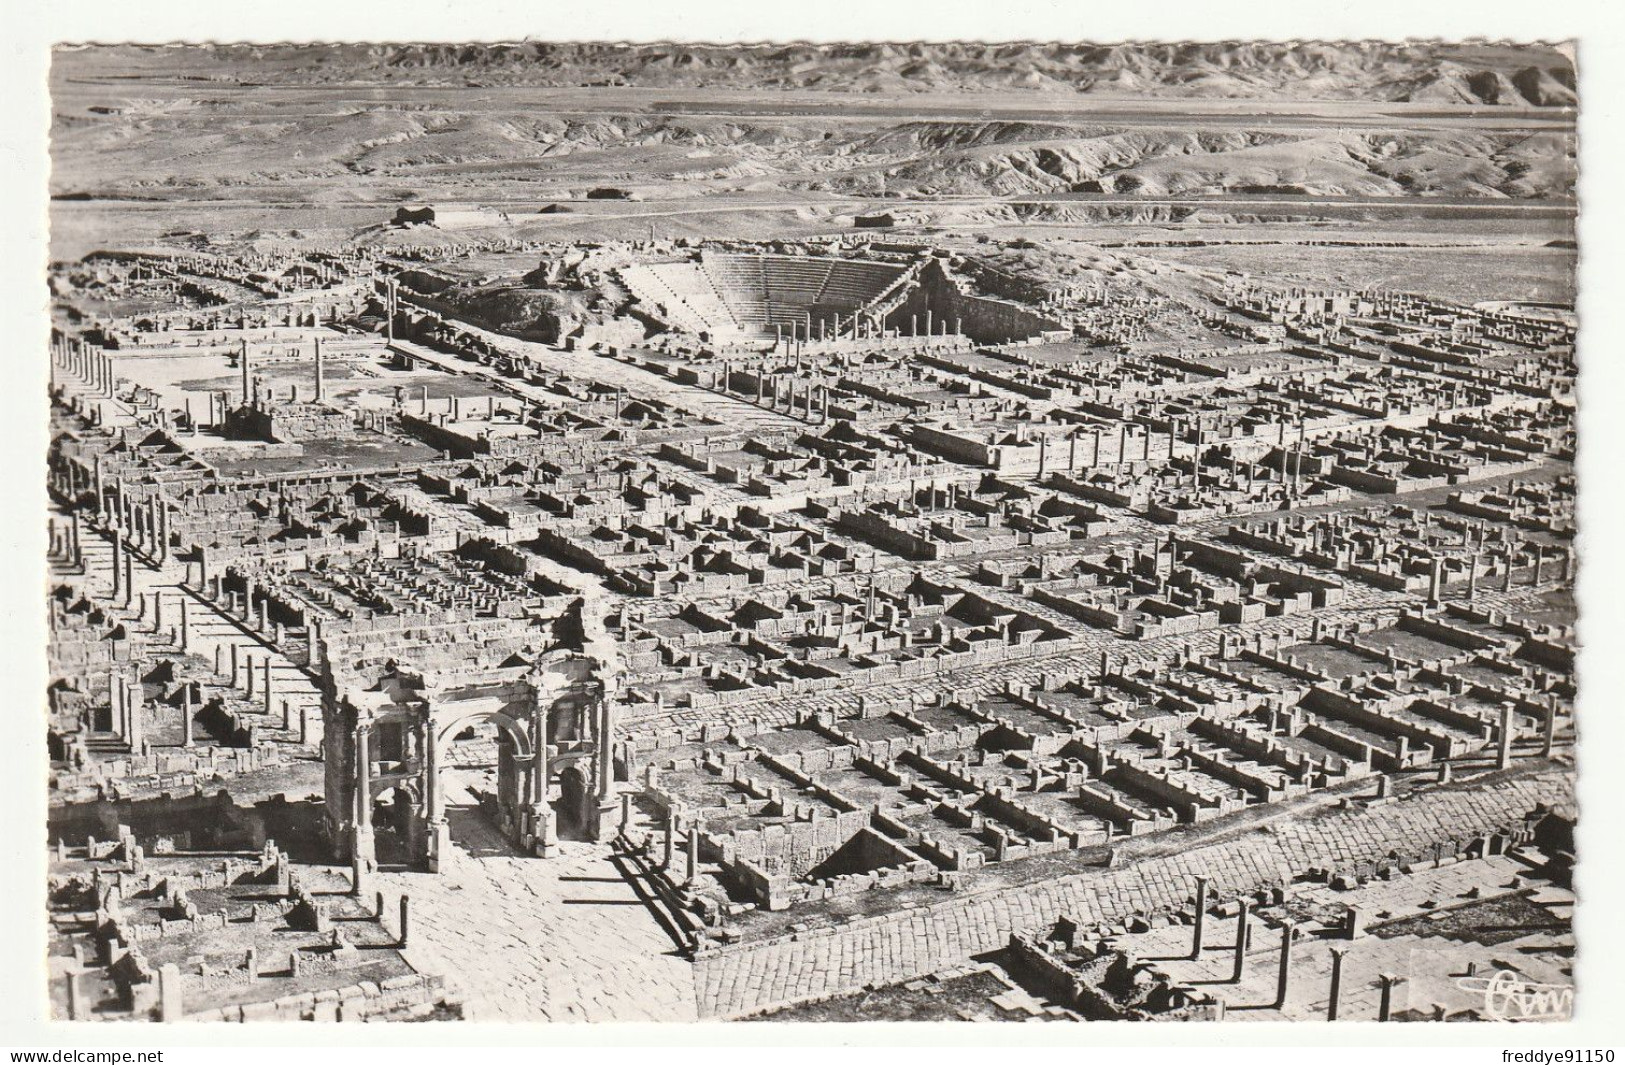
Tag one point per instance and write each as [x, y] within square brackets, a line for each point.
[1460, 159]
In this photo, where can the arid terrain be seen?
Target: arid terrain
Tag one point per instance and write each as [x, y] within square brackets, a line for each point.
[1462, 155]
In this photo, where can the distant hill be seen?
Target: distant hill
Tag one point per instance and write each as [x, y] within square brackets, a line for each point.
[397, 124]
[1493, 74]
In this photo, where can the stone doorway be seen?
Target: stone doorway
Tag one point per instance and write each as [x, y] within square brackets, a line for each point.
[481, 784]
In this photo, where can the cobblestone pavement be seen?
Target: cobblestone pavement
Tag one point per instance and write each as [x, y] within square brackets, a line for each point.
[525, 939]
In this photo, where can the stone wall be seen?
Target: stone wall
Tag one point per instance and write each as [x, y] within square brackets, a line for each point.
[983, 319]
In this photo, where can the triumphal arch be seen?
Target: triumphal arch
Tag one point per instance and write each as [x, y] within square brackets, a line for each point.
[389, 734]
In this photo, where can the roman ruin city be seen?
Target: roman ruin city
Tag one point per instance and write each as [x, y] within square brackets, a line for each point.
[642, 533]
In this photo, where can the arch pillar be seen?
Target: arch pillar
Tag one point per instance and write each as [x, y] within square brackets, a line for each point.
[543, 829]
[437, 835]
[363, 847]
[516, 812]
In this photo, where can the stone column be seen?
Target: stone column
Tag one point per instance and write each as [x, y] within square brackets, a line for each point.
[439, 842]
[606, 756]
[133, 692]
[186, 714]
[1337, 982]
[362, 843]
[541, 769]
[170, 1005]
[1503, 751]
[1201, 918]
[1283, 977]
[115, 704]
[118, 563]
[1241, 944]
[75, 1006]
[358, 877]
[313, 641]
[1385, 1005]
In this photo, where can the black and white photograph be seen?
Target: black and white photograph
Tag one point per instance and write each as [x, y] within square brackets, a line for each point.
[559, 531]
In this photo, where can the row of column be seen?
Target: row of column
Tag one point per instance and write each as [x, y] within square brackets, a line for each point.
[66, 547]
[250, 389]
[813, 392]
[92, 365]
[145, 521]
[858, 327]
[1243, 940]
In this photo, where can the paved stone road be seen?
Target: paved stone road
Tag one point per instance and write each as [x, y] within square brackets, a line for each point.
[521, 939]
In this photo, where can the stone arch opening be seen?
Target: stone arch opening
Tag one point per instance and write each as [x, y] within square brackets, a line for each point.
[500, 754]
[398, 821]
[575, 795]
[460, 788]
